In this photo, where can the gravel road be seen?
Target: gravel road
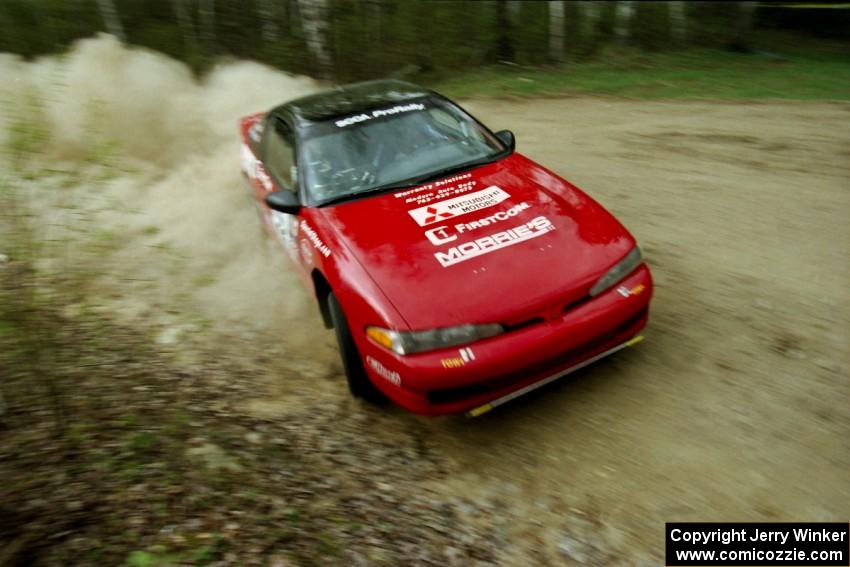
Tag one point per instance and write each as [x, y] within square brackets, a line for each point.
[735, 408]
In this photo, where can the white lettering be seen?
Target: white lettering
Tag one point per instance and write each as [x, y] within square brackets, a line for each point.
[314, 238]
[362, 117]
[383, 371]
[456, 254]
[457, 206]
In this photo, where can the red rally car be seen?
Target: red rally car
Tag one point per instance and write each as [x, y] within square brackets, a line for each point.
[457, 273]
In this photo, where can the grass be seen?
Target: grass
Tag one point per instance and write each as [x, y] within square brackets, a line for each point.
[807, 71]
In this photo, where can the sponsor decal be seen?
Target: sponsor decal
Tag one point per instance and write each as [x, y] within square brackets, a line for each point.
[492, 219]
[389, 375]
[365, 116]
[465, 355]
[436, 190]
[256, 131]
[626, 292]
[286, 228]
[443, 234]
[440, 235]
[314, 238]
[253, 168]
[249, 165]
[264, 178]
[457, 206]
[468, 250]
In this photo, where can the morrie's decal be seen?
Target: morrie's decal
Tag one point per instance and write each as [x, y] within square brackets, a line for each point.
[314, 238]
[443, 234]
[468, 250]
[383, 371]
[365, 116]
[626, 292]
[457, 206]
[466, 355]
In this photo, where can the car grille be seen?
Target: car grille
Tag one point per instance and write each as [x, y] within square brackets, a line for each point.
[515, 326]
[448, 395]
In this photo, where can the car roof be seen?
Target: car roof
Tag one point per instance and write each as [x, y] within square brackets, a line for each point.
[348, 99]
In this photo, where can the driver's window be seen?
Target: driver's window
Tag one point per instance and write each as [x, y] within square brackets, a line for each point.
[280, 157]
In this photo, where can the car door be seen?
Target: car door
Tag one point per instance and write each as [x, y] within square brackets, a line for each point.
[280, 170]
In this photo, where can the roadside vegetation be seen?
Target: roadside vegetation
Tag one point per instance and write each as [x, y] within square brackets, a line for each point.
[114, 450]
[113, 454]
[788, 67]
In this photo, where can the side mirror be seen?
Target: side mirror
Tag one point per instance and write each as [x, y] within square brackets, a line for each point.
[507, 138]
[284, 202]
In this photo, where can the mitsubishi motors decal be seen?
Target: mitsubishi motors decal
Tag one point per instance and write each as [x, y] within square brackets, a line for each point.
[450, 208]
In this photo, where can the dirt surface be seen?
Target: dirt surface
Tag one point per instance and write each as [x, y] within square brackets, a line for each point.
[735, 408]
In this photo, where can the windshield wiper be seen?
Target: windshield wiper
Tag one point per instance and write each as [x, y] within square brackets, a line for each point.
[412, 182]
[359, 194]
[455, 169]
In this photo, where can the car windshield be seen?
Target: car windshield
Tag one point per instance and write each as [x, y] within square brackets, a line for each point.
[390, 146]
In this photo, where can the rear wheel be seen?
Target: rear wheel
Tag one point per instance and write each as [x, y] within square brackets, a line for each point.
[358, 382]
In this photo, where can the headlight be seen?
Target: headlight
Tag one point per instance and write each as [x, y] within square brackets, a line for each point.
[623, 268]
[402, 342]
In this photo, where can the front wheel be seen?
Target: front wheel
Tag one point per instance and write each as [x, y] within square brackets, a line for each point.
[358, 381]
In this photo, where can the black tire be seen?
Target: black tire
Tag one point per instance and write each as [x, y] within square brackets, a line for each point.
[358, 382]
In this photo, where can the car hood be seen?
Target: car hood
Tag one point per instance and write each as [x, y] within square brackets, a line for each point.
[507, 242]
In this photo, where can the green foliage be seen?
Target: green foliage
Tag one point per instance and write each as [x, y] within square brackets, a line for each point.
[607, 20]
[377, 38]
[142, 442]
[27, 132]
[531, 33]
[650, 27]
[369, 38]
[700, 74]
[156, 557]
[712, 23]
[32, 27]
[208, 553]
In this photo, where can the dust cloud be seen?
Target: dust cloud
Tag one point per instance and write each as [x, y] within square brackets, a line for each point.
[147, 155]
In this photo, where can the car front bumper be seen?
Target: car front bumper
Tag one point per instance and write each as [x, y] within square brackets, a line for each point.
[475, 378]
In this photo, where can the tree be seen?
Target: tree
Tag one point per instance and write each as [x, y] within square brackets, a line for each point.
[651, 25]
[207, 13]
[678, 22]
[110, 18]
[185, 23]
[504, 45]
[314, 20]
[267, 10]
[743, 27]
[556, 30]
[623, 20]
